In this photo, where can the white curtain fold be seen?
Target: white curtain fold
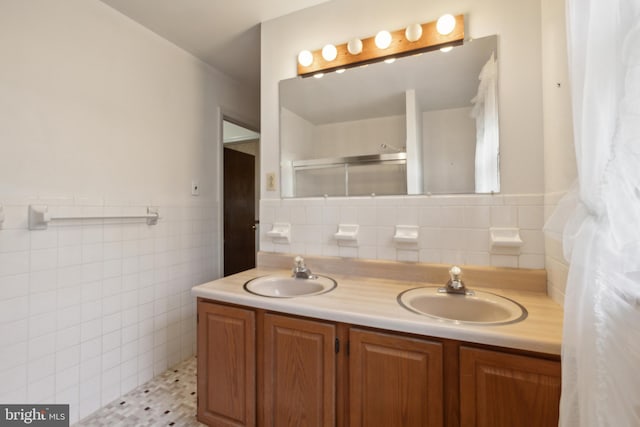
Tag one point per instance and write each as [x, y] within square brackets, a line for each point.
[600, 218]
[485, 111]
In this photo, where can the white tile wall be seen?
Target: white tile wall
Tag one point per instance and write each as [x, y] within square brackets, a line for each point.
[453, 229]
[91, 309]
[557, 266]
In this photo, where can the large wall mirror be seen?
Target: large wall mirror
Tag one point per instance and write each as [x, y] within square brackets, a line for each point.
[424, 124]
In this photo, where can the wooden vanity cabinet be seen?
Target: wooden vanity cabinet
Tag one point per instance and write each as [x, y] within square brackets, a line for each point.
[500, 389]
[268, 369]
[226, 365]
[299, 372]
[394, 380]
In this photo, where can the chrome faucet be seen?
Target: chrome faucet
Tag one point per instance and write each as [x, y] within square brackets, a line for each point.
[455, 285]
[300, 270]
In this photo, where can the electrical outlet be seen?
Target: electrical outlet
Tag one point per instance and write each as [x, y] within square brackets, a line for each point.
[271, 181]
[195, 188]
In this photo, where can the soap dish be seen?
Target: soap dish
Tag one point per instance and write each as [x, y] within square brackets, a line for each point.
[406, 234]
[280, 232]
[347, 233]
[505, 241]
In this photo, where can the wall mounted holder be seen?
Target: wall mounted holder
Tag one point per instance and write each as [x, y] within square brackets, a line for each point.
[39, 217]
[505, 241]
[347, 233]
[280, 232]
[406, 234]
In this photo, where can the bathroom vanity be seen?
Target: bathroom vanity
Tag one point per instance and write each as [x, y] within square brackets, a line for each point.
[355, 357]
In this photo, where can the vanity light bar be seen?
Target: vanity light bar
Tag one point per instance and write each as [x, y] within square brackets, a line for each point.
[399, 46]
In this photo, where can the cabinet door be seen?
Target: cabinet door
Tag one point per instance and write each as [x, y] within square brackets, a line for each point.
[299, 372]
[394, 380]
[226, 365]
[499, 389]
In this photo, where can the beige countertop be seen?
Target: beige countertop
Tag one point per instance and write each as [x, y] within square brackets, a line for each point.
[371, 301]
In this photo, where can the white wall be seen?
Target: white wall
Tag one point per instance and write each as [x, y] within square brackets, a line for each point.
[517, 25]
[302, 140]
[100, 116]
[297, 137]
[358, 137]
[559, 155]
[414, 144]
[449, 150]
[297, 141]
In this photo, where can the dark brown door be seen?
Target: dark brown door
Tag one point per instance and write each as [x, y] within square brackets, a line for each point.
[239, 212]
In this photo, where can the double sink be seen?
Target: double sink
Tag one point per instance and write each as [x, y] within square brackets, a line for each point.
[440, 303]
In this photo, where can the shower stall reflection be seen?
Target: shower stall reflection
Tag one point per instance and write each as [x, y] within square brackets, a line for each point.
[382, 174]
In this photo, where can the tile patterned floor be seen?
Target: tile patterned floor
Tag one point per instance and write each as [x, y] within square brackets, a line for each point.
[167, 400]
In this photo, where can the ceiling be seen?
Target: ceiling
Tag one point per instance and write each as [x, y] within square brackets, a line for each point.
[222, 33]
[231, 133]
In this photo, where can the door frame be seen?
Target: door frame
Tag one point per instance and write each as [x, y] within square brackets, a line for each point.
[240, 120]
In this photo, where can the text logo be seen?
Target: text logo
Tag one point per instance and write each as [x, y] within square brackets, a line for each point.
[34, 415]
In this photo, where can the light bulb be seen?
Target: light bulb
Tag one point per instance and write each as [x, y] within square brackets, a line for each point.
[329, 52]
[318, 75]
[413, 33]
[383, 39]
[354, 46]
[446, 24]
[305, 58]
[446, 49]
[390, 60]
[340, 70]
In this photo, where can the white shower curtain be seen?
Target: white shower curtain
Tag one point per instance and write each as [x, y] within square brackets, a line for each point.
[601, 338]
[485, 111]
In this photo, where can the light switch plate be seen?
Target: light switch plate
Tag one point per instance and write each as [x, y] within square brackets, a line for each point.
[271, 181]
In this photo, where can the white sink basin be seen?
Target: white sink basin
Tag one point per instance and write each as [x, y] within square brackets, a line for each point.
[481, 308]
[289, 287]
